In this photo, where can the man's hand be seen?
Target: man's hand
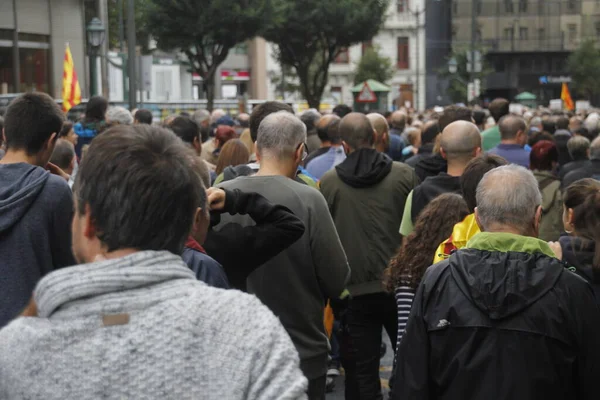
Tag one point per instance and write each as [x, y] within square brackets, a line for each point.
[54, 170]
[216, 199]
[555, 246]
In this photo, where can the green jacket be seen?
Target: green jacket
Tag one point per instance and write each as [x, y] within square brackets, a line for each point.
[509, 242]
[491, 138]
[552, 206]
[367, 220]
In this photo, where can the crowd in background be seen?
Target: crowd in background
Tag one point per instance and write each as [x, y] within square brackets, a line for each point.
[259, 256]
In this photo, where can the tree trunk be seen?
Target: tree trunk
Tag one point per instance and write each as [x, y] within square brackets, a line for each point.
[210, 91]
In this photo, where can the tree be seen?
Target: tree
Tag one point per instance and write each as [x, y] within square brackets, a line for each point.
[205, 30]
[584, 66]
[458, 81]
[373, 65]
[141, 23]
[315, 31]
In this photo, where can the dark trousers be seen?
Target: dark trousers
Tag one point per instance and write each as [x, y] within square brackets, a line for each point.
[316, 388]
[361, 343]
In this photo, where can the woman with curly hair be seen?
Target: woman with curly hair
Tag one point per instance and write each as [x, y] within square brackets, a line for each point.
[433, 226]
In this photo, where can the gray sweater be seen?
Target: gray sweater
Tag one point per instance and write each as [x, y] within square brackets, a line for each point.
[142, 327]
[296, 283]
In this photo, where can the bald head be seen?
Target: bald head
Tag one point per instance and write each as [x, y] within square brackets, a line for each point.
[398, 120]
[510, 126]
[460, 142]
[379, 123]
[356, 130]
[327, 129]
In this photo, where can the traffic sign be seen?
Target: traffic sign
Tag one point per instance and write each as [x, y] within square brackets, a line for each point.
[366, 95]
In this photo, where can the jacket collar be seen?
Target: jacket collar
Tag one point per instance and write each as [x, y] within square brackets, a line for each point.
[104, 285]
[193, 244]
[508, 242]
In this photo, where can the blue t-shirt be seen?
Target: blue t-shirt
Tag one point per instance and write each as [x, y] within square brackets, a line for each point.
[513, 153]
[318, 166]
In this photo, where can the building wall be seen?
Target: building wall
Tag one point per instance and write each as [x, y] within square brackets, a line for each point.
[62, 20]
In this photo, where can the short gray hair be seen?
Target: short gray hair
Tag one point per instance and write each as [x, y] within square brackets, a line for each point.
[535, 121]
[119, 115]
[509, 196]
[595, 149]
[201, 115]
[216, 114]
[280, 134]
[578, 147]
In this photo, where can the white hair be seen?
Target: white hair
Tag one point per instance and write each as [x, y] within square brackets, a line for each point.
[508, 195]
[280, 134]
[216, 114]
[201, 115]
[119, 115]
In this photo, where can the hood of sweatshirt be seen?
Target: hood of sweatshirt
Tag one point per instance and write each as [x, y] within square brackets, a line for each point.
[579, 253]
[503, 273]
[231, 173]
[364, 168]
[431, 166]
[20, 185]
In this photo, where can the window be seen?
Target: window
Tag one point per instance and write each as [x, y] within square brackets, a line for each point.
[455, 7]
[508, 33]
[508, 6]
[366, 45]
[343, 57]
[541, 33]
[523, 33]
[523, 5]
[479, 7]
[402, 6]
[525, 64]
[572, 29]
[597, 26]
[403, 61]
[541, 7]
[571, 5]
[241, 48]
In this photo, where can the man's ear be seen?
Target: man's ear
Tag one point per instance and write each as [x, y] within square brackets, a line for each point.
[537, 221]
[197, 220]
[443, 153]
[298, 154]
[478, 152]
[51, 142]
[346, 147]
[256, 152]
[477, 220]
[197, 145]
[89, 227]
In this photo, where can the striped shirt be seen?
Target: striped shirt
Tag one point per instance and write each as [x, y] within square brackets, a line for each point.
[404, 300]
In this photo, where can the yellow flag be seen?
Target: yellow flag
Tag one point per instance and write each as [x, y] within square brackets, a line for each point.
[71, 92]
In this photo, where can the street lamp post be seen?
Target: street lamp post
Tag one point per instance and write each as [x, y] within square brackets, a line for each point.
[95, 38]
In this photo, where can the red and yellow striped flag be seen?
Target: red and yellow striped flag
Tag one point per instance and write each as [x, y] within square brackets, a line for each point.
[71, 92]
[565, 96]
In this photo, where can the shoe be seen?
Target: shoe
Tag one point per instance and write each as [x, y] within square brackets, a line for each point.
[329, 385]
[333, 371]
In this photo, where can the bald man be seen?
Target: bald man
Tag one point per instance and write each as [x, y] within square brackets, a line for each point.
[331, 152]
[382, 129]
[513, 138]
[460, 143]
[366, 195]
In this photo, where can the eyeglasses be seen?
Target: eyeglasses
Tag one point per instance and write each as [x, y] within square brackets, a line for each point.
[304, 150]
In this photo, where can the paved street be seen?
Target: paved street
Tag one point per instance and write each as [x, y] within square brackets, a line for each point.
[385, 372]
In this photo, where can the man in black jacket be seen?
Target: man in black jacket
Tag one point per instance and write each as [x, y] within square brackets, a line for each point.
[502, 318]
[592, 170]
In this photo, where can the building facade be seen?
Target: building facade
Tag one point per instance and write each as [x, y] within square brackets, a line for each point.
[527, 41]
[43, 27]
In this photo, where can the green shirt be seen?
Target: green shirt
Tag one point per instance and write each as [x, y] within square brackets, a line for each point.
[506, 242]
[491, 138]
[407, 226]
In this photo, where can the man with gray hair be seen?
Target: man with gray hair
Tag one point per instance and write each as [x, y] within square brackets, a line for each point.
[310, 118]
[579, 149]
[366, 195]
[118, 116]
[592, 170]
[504, 306]
[296, 283]
[460, 143]
[202, 118]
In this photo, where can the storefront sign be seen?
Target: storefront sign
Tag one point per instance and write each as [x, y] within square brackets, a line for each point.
[549, 79]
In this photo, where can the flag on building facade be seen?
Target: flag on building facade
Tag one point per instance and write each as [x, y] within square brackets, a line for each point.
[565, 96]
[71, 92]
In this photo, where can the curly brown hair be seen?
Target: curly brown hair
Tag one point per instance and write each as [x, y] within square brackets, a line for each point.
[433, 226]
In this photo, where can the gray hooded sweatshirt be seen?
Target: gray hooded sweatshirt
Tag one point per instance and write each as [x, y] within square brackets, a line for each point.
[36, 209]
[143, 327]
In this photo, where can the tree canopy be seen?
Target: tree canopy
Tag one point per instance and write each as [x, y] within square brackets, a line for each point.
[584, 66]
[313, 32]
[373, 65]
[205, 30]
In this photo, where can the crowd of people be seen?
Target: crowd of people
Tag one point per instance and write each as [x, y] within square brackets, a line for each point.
[261, 255]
